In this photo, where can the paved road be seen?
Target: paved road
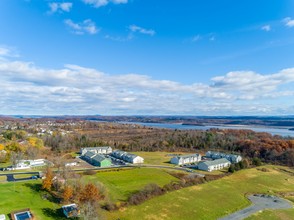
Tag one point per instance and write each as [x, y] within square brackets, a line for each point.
[260, 202]
[10, 176]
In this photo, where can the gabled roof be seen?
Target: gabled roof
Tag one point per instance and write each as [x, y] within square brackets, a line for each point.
[216, 162]
[99, 158]
[131, 156]
[89, 154]
[188, 156]
[97, 148]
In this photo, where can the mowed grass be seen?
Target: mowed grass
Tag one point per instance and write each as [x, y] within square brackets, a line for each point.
[211, 200]
[16, 196]
[121, 184]
[158, 158]
[287, 214]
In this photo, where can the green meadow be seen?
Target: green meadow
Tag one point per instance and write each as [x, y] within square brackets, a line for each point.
[120, 184]
[207, 201]
[214, 199]
[21, 195]
[273, 215]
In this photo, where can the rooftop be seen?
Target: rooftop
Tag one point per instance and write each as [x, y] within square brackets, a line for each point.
[216, 162]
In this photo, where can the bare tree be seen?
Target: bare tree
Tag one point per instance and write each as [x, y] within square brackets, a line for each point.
[32, 152]
[89, 210]
[15, 157]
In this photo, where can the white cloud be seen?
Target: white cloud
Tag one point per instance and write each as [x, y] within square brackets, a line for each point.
[266, 28]
[100, 3]
[135, 28]
[196, 38]
[28, 89]
[60, 7]
[288, 22]
[7, 52]
[86, 26]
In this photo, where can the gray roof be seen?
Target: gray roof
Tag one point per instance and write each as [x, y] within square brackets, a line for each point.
[99, 158]
[96, 148]
[216, 162]
[89, 154]
[132, 156]
[189, 155]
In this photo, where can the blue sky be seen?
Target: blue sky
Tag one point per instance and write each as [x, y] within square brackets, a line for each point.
[187, 57]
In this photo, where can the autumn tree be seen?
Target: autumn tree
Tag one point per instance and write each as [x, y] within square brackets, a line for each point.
[90, 193]
[48, 181]
[67, 193]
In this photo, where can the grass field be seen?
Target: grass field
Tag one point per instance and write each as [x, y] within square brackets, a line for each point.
[211, 200]
[274, 215]
[158, 158]
[207, 201]
[120, 184]
[15, 196]
[20, 176]
[3, 178]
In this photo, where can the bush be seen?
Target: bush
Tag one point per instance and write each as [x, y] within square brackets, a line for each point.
[89, 172]
[256, 161]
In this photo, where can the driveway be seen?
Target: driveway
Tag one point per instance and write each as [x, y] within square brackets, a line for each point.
[260, 202]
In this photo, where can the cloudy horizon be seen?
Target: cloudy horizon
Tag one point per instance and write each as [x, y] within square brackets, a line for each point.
[122, 57]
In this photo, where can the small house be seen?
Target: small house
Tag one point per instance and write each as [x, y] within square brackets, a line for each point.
[71, 210]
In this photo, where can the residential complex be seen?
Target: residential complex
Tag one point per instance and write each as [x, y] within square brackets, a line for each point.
[233, 158]
[96, 150]
[127, 157]
[185, 159]
[212, 165]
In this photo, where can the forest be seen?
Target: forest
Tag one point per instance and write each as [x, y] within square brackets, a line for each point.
[271, 149]
[68, 135]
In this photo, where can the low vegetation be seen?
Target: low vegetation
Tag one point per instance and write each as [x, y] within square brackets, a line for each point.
[203, 201]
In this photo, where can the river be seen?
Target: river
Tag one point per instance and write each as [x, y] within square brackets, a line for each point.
[272, 130]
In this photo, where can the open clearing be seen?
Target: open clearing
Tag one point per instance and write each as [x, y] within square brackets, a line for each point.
[259, 202]
[16, 196]
[212, 200]
[273, 215]
[121, 184]
[157, 158]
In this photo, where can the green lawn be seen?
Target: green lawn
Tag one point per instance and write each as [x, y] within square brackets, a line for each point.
[157, 158]
[207, 201]
[3, 178]
[15, 196]
[20, 176]
[120, 184]
[211, 200]
[273, 215]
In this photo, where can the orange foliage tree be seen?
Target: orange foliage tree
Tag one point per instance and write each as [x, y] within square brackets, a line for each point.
[67, 193]
[48, 181]
[90, 193]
